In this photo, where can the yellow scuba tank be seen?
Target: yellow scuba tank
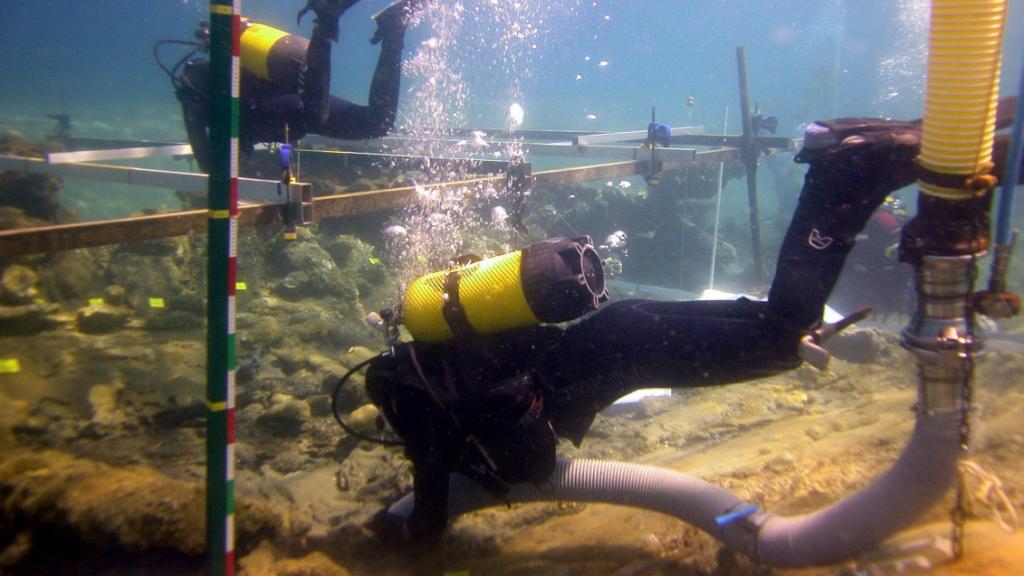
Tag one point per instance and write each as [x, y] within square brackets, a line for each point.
[272, 54]
[553, 280]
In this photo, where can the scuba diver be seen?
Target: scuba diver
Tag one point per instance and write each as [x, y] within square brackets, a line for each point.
[285, 80]
[873, 275]
[474, 394]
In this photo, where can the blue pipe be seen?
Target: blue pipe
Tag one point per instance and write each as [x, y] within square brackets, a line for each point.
[1013, 160]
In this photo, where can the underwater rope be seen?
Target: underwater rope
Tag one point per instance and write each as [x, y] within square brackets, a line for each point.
[225, 22]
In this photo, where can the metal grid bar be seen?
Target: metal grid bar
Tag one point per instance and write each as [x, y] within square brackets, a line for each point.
[119, 153]
[631, 136]
[87, 234]
[251, 189]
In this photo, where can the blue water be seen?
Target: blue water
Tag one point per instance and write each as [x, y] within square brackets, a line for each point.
[806, 60]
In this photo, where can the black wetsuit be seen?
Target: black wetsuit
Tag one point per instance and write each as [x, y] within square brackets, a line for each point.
[491, 407]
[302, 101]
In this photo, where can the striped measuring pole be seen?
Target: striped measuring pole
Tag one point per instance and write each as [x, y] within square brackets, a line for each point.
[225, 30]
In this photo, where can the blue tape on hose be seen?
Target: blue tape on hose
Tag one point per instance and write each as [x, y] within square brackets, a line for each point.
[736, 515]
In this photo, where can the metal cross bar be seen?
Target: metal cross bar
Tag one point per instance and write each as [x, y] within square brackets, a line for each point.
[119, 153]
[86, 234]
[251, 189]
[631, 136]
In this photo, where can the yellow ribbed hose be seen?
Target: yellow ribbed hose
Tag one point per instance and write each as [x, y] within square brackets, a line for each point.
[963, 89]
[490, 291]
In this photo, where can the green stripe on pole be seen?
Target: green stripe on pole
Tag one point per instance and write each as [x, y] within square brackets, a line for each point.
[230, 498]
[231, 351]
[223, 120]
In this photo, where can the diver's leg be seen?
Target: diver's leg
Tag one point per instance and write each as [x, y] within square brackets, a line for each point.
[854, 165]
[634, 344]
[352, 121]
[348, 120]
[315, 75]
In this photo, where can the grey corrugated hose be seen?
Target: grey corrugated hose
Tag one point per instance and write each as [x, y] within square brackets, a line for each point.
[916, 481]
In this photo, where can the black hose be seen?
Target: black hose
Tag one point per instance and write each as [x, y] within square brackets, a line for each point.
[172, 72]
[334, 406]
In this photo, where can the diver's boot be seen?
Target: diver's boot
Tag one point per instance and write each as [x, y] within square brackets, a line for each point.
[327, 14]
[854, 165]
[393, 20]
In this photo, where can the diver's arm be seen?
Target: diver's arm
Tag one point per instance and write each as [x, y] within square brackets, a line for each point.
[195, 110]
[195, 126]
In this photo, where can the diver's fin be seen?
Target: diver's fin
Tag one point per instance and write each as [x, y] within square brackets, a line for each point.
[394, 18]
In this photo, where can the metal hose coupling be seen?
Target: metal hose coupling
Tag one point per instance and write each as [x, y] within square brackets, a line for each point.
[941, 333]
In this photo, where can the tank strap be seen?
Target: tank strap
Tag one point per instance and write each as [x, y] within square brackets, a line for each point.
[453, 311]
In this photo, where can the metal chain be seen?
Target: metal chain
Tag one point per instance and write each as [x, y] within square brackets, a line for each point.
[959, 512]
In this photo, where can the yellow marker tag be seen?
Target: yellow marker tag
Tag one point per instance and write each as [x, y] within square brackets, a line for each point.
[374, 260]
[156, 302]
[289, 235]
[95, 301]
[239, 286]
[457, 573]
[9, 366]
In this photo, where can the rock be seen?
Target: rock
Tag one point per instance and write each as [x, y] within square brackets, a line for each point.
[153, 269]
[781, 464]
[105, 401]
[28, 319]
[816, 432]
[374, 474]
[11, 217]
[860, 346]
[285, 416]
[174, 320]
[18, 285]
[288, 461]
[319, 405]
[35, 194]
[364, 419]
[651, 406]
[182, 413]
[266, 561]
[74, 274]
[114, 295]
[361, 185]
[101, 318]
[12, 414]
[348, 252]
[131, 509]
[308, 270]
[357, 354]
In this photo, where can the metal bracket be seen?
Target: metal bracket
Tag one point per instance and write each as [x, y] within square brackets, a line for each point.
[298, 204]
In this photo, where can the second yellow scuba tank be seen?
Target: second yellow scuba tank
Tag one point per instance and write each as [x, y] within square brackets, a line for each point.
[554, 280]
[272, 54]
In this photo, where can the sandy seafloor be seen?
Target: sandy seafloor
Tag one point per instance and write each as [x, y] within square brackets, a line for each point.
[123, 489]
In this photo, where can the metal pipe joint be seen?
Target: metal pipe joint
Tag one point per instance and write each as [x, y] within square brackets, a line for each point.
[941, 334]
